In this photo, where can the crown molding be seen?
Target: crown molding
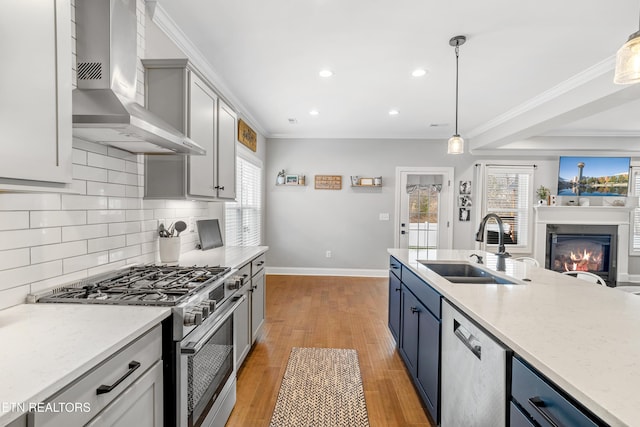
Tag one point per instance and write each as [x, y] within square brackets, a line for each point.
[580, 79]
[160, 17]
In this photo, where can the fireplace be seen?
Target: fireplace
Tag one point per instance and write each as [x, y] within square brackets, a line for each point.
[573, 247]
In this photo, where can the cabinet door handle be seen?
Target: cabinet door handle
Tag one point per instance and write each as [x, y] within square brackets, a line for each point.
[133, 365]
[397, 289]
[540, 407]
[395, 266]
[219, 187]
[415, 310]
[260, 263]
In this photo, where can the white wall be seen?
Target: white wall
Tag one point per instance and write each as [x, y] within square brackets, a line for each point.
[303, 223]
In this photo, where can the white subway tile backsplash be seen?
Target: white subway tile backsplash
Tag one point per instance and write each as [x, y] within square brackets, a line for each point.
[79, 186]
[84, 262]
[14, 220]
[26, 238]
[106, 189]
[150, 225]
[134, 168]
[57, 218]
[105, 216]
[73, 202]
[29, 201]
[62, 280]
[31, 273]
[105, 162]
[164, 213]
[14, 258]
[149, 247]
[138, 238]
[79, 156]
[89, 173]
[134, 191]
[119, 228]
[125, 178]
[106, 243]
[105, 268]
[124, 253]
[13, 296]
[58, 251]
[83, 232]
[144, 259]
[139, 215]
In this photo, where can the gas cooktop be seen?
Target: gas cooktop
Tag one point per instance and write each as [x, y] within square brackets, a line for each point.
[160, 285]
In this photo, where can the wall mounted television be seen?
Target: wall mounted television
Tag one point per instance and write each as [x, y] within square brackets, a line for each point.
[593, 176]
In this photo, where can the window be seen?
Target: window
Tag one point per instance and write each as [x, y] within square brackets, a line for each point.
[635, 191]
[243, 218]
[508, 194]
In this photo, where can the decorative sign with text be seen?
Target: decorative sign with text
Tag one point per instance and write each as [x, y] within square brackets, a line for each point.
[247, 136]
[328, 182]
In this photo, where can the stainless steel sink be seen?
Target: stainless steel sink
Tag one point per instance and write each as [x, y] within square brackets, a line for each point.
[465, 273]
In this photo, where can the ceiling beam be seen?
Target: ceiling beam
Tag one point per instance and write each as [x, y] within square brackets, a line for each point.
[585, 94]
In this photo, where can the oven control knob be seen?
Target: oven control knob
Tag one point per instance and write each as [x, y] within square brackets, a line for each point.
[192, 318]
[210, 304]
[204, 307]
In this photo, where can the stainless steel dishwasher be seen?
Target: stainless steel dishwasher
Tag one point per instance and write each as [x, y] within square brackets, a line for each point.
[474, 383]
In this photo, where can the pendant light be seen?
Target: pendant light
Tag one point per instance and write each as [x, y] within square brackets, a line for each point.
[456, 142]
[628, 61]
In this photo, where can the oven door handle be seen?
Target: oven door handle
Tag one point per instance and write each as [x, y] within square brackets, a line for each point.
[194, 347]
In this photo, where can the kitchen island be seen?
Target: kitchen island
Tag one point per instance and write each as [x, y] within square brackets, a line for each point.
[583, 337]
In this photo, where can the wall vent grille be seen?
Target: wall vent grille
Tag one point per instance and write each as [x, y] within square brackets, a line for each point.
[89, 71]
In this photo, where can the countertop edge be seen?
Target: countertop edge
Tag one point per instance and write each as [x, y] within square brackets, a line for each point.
[52, 388]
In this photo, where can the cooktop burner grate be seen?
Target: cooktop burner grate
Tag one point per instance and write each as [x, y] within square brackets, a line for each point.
[148, 284]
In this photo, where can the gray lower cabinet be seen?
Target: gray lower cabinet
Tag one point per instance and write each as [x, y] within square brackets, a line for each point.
[124, 390]
[249, 316]
[35, 106]
[415, 310]
[197, 111]
[258, 295]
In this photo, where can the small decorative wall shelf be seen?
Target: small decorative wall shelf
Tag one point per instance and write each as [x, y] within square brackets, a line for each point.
[290, 180]
[358, 181]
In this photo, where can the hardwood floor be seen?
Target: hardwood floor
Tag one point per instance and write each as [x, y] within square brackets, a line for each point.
[338, 312]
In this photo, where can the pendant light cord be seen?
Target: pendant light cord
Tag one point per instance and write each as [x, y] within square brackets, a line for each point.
[457, 57]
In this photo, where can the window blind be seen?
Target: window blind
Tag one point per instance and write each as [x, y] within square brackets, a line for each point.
[243, 218]
[635, 191]
[509, 195]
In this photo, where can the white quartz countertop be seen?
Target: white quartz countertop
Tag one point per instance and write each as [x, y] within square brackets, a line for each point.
[225, 256]
[47, 346]
[584, 337]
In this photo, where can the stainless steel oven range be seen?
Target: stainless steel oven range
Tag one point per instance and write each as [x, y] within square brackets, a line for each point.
[199, 377]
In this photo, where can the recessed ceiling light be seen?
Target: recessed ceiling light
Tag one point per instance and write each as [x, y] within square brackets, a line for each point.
[394, 112]
[314, 112]
[419, 72]
[326, 73]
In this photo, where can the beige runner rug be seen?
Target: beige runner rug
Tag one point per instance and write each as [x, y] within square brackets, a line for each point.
[321, 387]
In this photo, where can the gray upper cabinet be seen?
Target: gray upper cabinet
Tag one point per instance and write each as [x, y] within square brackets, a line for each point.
[35, 107]
[227, 137]
[177, 93]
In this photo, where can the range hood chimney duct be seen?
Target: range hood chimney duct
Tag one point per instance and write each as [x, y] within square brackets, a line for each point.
[104, 106]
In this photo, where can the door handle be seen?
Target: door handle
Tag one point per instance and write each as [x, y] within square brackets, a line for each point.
[133, 365]
[540, 407]
[415, 310]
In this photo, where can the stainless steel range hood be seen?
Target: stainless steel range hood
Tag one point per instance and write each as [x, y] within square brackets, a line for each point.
[104, 107]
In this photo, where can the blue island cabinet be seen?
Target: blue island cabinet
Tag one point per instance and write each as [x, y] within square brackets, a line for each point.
[414, 311]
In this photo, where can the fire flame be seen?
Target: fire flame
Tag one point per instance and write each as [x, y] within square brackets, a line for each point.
[581, 261]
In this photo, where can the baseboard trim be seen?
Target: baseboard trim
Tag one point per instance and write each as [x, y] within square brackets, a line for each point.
[632, 278]
[349, 272]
